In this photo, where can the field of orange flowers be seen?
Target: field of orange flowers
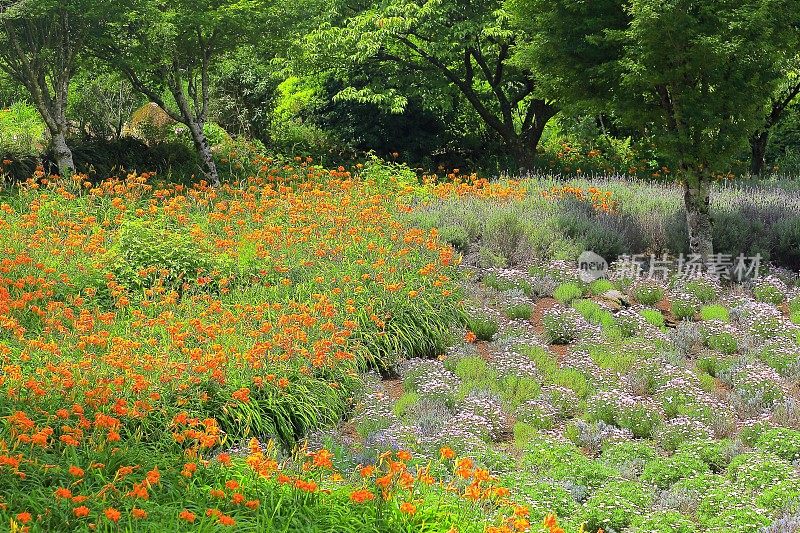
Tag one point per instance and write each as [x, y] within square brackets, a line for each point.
[165, 348]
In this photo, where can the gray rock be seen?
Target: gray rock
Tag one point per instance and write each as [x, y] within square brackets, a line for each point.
[615, 299]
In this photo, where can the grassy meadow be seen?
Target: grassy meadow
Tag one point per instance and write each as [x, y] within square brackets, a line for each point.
[165, 348]
[310, 349]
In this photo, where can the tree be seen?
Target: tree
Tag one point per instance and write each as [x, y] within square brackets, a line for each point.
[432, 49]
[102, 103]
[245, 81]
[243, 90]
[167, 49]
[11, 91]
[40, 45]
[696, 74]
[787, 92]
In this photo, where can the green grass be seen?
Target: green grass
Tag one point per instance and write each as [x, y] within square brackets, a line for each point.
[545, 363]
[614, 357]
[476, 375]
[559, 328]
[794, 305]
[714, 312]
[594, 312]
[600, 286]
[406, 401]
[723, 342]
[473, 368]
[572, 379]
[21, 130]
[683, 309]
[768, 293]
[702, 290]
[516, 390]
[566, 292]
[519, 311]
[493, 281]
[653, 317]
[707, 382]
[523, 434]
[648, 294]
[483, 327]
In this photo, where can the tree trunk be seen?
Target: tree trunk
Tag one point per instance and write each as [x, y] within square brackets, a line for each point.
[524, 155]
[697, 199]
[194, 121]
[204, 150]
[758, 149]
[62, 153]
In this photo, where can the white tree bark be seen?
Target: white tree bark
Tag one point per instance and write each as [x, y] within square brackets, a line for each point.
[40, 54]
[697, 199]
[204, 150]
[62, 153]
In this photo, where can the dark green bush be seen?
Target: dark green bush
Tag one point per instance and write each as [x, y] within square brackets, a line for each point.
[102, 158]
[786, 242]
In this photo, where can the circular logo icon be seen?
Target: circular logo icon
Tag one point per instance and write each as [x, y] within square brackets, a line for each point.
[592, 266]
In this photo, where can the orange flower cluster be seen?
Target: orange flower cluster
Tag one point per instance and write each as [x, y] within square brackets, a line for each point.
[397, 480]
[600, 200]
[107, 354]
[455, 184]
[195, 434]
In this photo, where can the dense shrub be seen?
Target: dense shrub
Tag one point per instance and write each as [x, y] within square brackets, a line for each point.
[631, 454]
[593, 312]
[483, 327]
[784, 443]
[722, 341]
[560, 325]
[21, 131]
[145, 251]
[101, 158]
[684, 306]
[639, 419]
[519, 311]
[566, 292]
[671, 521]
[648, 293]
[769, 290]
[703, 289]
[614, 506]
[663, 472]
[759, 471]
[646, 217]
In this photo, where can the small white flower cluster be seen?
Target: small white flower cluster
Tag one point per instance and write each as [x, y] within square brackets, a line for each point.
[430, 376]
